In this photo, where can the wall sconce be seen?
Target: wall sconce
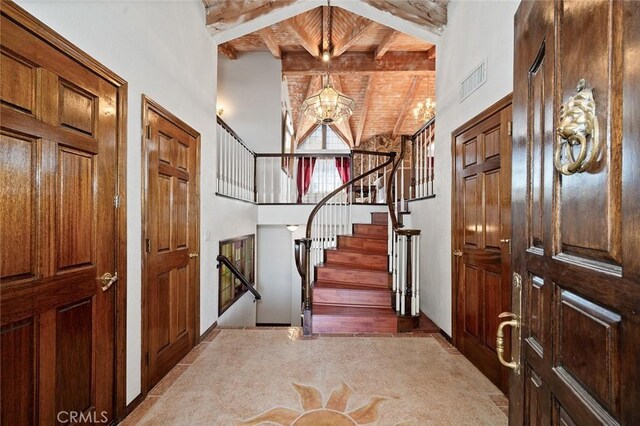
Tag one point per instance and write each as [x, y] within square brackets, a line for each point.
[292, 228]
[220, 109]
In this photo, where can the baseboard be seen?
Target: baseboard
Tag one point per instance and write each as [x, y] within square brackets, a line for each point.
[133, 405]
[446, 336]
[208, 331]
[273, 324]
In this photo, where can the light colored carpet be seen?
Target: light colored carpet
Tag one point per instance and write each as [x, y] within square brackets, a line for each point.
[274, 377]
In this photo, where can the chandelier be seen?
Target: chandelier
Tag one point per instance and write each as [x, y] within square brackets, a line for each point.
[328, 106]
[424, 112]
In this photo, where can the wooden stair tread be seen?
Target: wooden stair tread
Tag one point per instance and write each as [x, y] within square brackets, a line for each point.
[352, 311]
[345, 267]
[369, 236]
[357, 250]
[347, 286]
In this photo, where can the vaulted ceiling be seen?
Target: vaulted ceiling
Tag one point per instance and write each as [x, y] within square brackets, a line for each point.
[385, 71]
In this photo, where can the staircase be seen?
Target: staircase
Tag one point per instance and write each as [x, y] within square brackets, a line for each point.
[352, 290]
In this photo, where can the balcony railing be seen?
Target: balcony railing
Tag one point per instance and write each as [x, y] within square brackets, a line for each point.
[276, 178]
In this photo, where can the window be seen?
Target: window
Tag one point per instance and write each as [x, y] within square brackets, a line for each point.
[323, 138]
[241, 252]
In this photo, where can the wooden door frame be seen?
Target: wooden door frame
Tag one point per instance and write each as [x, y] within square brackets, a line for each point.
[147, 105]
[45, 33]
[455, 239]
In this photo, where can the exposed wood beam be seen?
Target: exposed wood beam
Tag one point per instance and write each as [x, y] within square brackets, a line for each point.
[302, 37]
[365, 109]
[313, 87]
[267, 37]
[431, 53]
[426, 13]
[225, 14]
[306, 134]
[405, 104]
[227, 50]
[386, 43]
[362, 63]
[326, 14]
[345, 126]
[351, 37]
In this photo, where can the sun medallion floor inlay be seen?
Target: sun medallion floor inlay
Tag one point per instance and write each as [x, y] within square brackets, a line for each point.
[274, 377]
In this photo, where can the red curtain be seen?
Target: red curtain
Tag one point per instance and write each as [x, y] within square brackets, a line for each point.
[305, 172]
[343, 164]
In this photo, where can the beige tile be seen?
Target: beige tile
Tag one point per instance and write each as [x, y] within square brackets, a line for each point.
[136, 416]
[168, 380]
[244, 373]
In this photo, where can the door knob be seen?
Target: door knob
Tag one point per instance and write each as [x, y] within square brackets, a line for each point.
[457, 253]
[108, 280]
[515, 323]
[505, 240]
[192, 255]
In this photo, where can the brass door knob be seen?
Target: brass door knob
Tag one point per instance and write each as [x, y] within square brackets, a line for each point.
[457, 253]
[192, 255]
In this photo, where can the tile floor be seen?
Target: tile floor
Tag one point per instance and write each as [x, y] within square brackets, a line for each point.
[274, 376]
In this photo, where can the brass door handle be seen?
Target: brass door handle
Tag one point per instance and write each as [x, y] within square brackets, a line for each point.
[505, 240]
[192, 255]
[515, 323]
[457, 253]
[108, 280]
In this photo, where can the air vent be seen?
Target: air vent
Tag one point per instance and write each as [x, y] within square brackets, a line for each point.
[475, 79]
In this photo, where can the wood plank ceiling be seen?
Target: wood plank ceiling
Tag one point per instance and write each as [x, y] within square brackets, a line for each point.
[385, 71]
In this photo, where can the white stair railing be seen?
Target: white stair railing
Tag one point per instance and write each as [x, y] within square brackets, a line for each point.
[236, 165]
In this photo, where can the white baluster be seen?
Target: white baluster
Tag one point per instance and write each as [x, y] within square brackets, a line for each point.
[417, 289]
[413, 275]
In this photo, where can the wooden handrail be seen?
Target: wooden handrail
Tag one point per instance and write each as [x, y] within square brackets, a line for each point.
[228, 128]
[322, 202]
[397, 226]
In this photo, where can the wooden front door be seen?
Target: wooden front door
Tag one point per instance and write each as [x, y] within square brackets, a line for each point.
[576, 241]
[482, 232]
[172, 215]
[58, 183]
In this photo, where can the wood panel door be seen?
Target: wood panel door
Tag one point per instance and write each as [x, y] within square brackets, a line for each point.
[172, 217]
[482, 232]
[576, 241]
[58, 235]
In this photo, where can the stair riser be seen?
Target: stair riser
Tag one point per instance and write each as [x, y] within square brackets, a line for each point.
[375, 231]
[349, 324]
[373, 261]
[381, 218]
[349, 297]
[364, 244]
[349, 276]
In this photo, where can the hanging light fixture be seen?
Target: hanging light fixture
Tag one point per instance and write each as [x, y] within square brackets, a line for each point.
[424, 112]
[328, 106]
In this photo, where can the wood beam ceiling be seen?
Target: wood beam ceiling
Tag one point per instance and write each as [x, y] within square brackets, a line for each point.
[326, 13]
[267, 37]
[431, 53]
[227, 50]
[225, 14]
[302, 37]
[362, 63]
[352, 36]
[368, 91]
[405, 104]
[426, 13]
[386, 43]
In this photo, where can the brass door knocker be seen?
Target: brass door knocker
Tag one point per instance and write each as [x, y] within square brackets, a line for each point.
[578, 121]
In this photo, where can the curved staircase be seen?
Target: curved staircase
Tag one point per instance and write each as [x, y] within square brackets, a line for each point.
[352, 291]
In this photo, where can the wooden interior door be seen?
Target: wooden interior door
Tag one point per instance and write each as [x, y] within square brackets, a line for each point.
[172, 244]
[482, 232]
[58, 170]
[576, 242]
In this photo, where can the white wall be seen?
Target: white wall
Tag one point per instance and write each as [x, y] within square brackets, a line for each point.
[162, 49]
[250, 89]
[275, 257]
[476, 30]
